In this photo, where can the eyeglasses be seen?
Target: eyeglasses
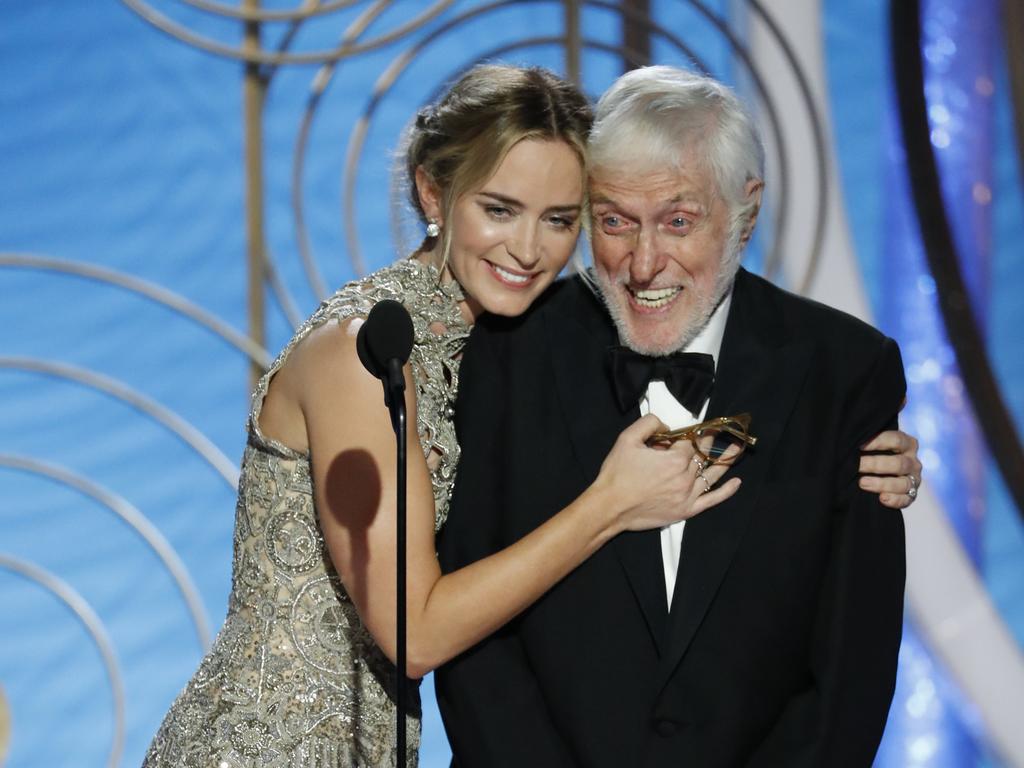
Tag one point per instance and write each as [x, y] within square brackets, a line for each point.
[716, 441]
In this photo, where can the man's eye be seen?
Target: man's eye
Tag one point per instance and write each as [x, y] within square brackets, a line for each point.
[612, 221]
[679, 222]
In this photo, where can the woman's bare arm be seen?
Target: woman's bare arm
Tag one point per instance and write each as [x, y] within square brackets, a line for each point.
[353, 467]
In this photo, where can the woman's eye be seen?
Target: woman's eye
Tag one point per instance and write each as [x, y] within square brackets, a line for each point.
[563, 222]
[498, 211]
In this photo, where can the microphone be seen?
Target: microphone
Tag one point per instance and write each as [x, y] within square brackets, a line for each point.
[383, 344]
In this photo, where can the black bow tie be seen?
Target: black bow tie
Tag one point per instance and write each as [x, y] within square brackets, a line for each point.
[688, 376]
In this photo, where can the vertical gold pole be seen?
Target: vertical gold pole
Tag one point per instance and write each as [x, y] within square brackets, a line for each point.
[5, 726]
[636, 37]
[573, 43]
[254, 94]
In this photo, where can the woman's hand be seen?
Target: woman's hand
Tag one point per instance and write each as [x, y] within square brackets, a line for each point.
[894, 474]
[652, 487]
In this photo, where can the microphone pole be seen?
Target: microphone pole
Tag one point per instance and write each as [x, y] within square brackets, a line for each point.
[384, 343]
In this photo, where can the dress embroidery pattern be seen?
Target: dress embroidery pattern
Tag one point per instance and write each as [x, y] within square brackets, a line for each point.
[294, 678]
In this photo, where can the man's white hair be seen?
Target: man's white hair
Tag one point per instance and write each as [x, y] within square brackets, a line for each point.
[655, 118]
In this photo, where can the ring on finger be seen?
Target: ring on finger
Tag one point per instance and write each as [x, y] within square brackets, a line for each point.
[912, 491]
[707, 485]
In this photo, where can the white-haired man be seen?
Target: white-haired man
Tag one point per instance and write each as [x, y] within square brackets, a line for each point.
[768, 634]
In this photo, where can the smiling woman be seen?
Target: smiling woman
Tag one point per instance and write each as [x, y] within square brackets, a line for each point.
[516, 232]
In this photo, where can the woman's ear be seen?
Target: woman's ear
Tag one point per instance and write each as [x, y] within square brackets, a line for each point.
[429, 195]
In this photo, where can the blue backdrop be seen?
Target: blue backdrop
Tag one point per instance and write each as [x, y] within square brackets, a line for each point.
[123, 397]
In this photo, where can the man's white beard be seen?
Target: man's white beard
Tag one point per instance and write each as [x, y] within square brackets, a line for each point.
[614, 296]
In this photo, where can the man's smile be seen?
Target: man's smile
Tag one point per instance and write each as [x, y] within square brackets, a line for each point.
[653, 298]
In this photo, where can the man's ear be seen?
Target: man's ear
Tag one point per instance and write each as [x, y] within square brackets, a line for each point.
[753, 191]
[429, 195]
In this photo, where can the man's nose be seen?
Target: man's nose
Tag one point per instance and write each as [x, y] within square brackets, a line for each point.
[646, 261]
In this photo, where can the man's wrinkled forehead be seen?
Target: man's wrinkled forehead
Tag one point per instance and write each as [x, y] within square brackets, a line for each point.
[685, 156]
[644, 147]
[691, 186]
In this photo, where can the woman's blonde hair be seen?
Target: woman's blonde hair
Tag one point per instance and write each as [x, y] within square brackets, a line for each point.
[460, 141]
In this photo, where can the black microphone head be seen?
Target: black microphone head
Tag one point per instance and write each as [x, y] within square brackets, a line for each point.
[387, 334]
[364, 354]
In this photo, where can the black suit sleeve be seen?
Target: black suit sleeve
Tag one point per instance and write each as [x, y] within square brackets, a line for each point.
[838, 720]
[493, 710]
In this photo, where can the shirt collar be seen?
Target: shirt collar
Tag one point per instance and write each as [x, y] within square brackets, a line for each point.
[709, 340]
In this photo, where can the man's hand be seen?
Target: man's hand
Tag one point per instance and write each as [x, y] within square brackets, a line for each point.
[895, 472]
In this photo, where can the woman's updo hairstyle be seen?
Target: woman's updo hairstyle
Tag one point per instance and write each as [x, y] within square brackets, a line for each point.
[461, 141]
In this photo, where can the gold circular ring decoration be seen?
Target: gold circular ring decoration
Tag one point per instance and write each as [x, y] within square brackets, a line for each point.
[305, 11]
[355, 38]
[90, 621]
[406, 58]
[136, 521]
[165, 24]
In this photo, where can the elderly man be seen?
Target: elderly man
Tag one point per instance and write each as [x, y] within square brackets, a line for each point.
[765, 632]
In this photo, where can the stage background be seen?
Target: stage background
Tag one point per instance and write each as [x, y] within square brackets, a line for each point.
[127, 330]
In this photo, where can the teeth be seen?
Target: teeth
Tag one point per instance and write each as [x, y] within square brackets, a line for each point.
[510, 276]
[655, 298]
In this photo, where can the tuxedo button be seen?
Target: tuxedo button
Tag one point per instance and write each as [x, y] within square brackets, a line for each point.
[665, 727]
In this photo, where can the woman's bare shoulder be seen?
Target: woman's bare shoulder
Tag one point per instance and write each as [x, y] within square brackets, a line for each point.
[322, 366]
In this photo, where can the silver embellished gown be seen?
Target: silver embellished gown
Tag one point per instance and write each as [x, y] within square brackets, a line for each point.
[294, 678]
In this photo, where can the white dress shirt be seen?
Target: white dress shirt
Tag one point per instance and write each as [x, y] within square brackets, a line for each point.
[659, 401]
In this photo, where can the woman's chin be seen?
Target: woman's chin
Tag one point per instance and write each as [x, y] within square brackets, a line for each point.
[508, 303]
[511, 301]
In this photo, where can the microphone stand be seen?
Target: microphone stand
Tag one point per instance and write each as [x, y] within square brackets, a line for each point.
[395, 401]
[384, 343]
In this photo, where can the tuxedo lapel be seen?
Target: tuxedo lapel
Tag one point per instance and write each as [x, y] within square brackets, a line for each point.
[578, 335]
[760, 371]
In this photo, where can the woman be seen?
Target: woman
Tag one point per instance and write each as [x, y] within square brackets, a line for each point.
[302, 671]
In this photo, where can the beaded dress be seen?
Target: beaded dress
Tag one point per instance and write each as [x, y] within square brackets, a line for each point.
[294, 678]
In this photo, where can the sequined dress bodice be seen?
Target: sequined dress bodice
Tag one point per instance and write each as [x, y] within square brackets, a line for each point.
[294, 678]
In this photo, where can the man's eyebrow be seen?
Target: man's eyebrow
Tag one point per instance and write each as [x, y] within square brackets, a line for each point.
[686, 198]
[689, 198]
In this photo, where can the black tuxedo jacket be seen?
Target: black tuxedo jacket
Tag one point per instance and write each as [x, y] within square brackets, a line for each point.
[780, 647]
